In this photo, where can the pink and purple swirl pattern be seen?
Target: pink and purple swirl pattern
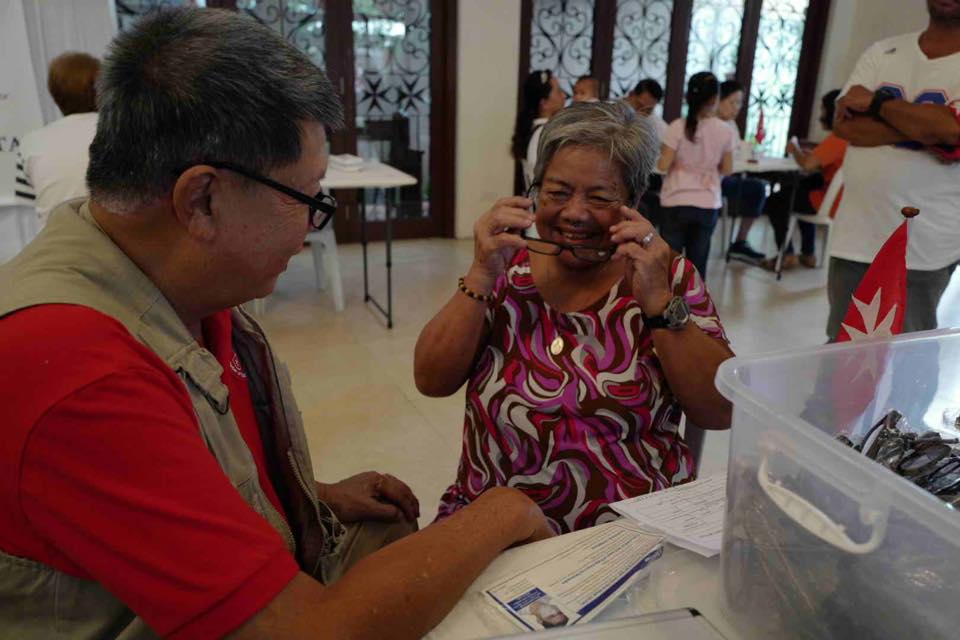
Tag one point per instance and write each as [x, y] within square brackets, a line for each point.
[595, 424]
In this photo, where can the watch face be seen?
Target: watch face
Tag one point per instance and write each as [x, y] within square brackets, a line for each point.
[677, 313]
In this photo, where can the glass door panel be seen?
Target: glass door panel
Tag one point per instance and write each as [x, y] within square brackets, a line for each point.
[561, 39]
[302, 23]
[641, 44]
[714, 38]
[392, 41]
[775, 71]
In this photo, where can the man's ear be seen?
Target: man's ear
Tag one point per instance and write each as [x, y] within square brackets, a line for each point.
[191, 201]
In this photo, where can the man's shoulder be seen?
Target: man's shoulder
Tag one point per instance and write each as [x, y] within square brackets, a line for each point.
[53, 350]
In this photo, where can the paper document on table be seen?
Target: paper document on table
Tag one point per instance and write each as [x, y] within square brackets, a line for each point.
[577, 583]
[689, 515]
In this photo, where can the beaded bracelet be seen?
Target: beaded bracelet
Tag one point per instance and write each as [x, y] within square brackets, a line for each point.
[488, 298]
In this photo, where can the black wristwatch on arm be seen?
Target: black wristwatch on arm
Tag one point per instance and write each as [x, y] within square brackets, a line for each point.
[880, 96]
[675, 316]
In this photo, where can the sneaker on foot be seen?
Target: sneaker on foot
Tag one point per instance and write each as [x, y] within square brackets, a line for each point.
[744, 251]
[810, 262]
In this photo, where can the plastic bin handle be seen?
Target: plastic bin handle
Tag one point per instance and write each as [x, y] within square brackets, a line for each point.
[816, 521]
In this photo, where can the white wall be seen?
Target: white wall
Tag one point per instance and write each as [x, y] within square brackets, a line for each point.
[853, 26]
[57, 27]
[488, 37]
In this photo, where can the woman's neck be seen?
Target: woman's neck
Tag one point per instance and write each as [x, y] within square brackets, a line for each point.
[570, 289]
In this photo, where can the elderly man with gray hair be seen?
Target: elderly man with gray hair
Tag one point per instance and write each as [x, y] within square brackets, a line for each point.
[581, 347]
[155, 477]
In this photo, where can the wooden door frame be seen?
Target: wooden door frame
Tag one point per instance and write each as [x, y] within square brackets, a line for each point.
[811, 53]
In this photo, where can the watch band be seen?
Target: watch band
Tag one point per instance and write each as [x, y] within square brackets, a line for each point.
[881, 95]
[674, 317]
[656, 322]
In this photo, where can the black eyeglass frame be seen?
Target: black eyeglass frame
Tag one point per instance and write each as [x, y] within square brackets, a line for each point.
[576, 250]
[322, 202]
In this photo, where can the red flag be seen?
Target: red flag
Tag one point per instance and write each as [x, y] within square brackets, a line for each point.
[879, 302]
[761, 132]
[876, 310]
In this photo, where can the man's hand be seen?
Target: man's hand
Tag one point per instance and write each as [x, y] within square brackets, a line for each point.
[855, 102]
[370, 496]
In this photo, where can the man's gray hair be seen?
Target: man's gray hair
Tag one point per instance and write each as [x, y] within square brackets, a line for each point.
[187, 86]
[614, 128]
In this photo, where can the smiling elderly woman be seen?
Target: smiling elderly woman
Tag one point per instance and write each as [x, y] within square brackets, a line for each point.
[579, 349]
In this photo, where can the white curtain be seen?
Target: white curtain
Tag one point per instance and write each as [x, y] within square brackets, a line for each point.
[19, 104]
[56, 26]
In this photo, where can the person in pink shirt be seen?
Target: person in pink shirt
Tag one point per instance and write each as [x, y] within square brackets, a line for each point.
[696, 152]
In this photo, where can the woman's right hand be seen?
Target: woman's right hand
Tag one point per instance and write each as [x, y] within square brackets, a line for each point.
[496, 240]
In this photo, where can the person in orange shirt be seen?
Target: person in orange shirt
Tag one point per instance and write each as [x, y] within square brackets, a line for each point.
[824, 160]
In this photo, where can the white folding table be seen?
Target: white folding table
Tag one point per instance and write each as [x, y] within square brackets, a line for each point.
[680, 579]
[373, 175]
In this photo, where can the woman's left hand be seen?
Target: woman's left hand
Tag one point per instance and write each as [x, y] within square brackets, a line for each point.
[647, 259]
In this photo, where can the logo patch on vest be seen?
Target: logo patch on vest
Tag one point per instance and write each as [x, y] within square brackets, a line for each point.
[236, 368]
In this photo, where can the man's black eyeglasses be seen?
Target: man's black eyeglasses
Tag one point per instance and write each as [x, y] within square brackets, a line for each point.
[322, 206]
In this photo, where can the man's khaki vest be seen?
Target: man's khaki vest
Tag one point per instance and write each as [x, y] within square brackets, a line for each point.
[74, 262]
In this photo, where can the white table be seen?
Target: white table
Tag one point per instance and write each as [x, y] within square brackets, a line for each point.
[766, 165]
[680, 579]
[762, 165]
[373, 175]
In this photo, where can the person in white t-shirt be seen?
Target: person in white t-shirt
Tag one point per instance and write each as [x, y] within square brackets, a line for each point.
[644, 99]
[900, 111]
[542, 97]
[52, 161]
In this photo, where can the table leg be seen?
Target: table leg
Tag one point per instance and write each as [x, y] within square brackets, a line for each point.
[394, 204]
[734, 211]
[363, 242]
[794, 186]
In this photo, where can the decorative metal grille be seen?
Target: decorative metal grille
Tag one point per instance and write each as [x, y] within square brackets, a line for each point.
[392, 49]
[714, 37]
[129, 11]
[641, 44]
[300, 23]
[392, 60]
[775, 71]
[561, 39]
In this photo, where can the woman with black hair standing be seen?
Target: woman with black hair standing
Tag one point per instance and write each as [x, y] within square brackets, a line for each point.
[696, 152]
[542, 97]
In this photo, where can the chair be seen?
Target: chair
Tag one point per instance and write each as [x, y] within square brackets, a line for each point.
[323, 246]
[821, 219]
[326, 266]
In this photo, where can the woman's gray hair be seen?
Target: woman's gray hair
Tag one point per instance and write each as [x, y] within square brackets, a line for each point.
[187, 86]
[614, 128]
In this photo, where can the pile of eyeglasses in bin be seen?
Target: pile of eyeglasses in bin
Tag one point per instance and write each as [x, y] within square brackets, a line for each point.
[929, 460]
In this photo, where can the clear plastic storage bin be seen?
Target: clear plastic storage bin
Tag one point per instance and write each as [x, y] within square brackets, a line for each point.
[820, 541]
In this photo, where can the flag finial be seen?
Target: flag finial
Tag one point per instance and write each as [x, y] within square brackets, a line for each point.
[909, 212]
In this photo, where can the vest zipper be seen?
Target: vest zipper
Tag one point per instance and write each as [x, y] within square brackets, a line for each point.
[332, 536]
[286, 532]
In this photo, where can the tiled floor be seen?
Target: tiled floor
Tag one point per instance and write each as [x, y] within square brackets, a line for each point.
[354, 378]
